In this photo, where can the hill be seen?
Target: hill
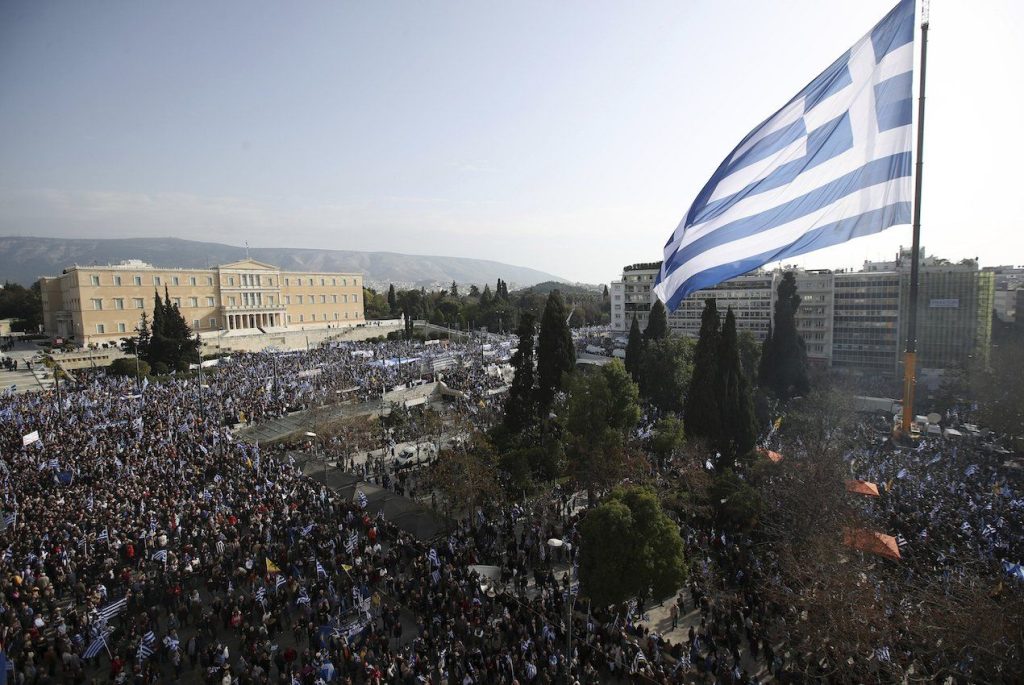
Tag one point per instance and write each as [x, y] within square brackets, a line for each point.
[25, 259]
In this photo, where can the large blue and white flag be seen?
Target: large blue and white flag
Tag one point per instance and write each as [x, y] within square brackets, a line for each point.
[833, 164]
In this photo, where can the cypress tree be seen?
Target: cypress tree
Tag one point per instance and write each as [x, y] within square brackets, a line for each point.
[520, 409]
[392, 299]
[737, 424]
[701, 409]
[634, 350]
[785, 369]
[657, 322]
[485, 297]
[455, 289]
[555, 353]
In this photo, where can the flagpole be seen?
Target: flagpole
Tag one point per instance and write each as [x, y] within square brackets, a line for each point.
[910, 356]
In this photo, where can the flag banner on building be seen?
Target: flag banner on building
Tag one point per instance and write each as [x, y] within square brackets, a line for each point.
[832, 165]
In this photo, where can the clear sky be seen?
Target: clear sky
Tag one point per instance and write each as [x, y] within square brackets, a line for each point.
[568, 136]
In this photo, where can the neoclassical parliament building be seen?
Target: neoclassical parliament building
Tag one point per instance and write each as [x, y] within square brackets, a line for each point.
[102, 304]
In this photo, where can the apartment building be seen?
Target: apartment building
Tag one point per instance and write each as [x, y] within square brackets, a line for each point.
[102, 304]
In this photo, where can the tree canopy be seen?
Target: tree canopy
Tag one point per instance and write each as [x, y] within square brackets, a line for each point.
[629, 545]
[556, 355]
[783, 367]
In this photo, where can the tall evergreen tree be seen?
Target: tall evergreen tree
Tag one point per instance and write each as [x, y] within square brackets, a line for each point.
[556, 355]
[784, 355]
[657, 322]
[737, 424]
[485, 297]
[634, 350]
[701, 408]
[520, 407]
[392, 299]
[455, 289]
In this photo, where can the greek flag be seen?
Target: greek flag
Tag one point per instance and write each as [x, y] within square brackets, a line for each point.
[10, 519]
[320, 571]
[160, 555]
[900, 541]
[261, 595]
[102, 537]
[435, 576]
[144, 651]
[113, 609]
[280, 581]
[350, 544]
[361, 498]
[833, 164]
[95, 646]
[432, 556]
[149, 638]
[303, 597]
[306, 530]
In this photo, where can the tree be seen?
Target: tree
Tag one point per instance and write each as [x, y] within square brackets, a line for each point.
[701, 410]
[171, 346]
[668, 437]
[784, 354]
[467, 477]
[520, 407]
[454, 289]
[628, 546]
[556, 355]
[485, 297]
[25, 305]
[410, 303]
[737, 424]
[603, 408]
[657, 322]
[126, 366]
[666, 367]
[750, 355]
[634, 350]
[375, 305]
[737, 505]
[392, 299]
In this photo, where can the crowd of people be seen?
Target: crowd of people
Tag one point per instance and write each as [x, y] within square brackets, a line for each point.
[143, 542]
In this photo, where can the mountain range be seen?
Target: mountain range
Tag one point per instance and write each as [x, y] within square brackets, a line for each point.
[24, 259]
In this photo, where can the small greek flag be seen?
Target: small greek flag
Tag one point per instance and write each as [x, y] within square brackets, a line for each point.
[435, 576]
[307, 529]
[971, 470]
[144, 651]
[261, 595]
[113, 609]
[95, 646]
[988, 531]
[432, 556]
[882, 653]
[171, 644]
[160, 555]
[350, 544]
[361, 498]
[280, 581]
[303, 597]
[8, 555]
[900, 541]
[10, 519]
[149, 638]
[320, 571]
[102, 537]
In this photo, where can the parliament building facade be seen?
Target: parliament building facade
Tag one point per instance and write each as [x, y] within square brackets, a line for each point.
[102, 304]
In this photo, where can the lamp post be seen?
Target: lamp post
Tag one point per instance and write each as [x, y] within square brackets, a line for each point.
[323, 460]
[570, 602]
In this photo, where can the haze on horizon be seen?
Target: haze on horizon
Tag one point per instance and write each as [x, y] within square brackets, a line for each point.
[568, 137]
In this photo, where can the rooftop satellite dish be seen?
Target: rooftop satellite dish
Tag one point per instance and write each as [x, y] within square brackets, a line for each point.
[934, 418]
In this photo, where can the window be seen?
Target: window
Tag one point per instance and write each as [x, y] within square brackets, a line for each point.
[193, 302]
[209, 280]
[311, 281]
[97, 304]
[289, 318]
[231, 301]
[101, 329]
[213, 322]
[118, 303]
[346, 315]
[174, 280]
[270, 281]
[355, 298]
[231, 280]
[94, 280]
[323, 299]
[117, 280]
[138, 280]
[195, 324]
[334, 298]
[355, 282]
[209, 302]
[287, 281]
[270, 299]
[323, 281]
[191, 280]
[334, 281]
[335, 316]
[298, 299]
[287, 299]
[121, 328]
[300, 318]
[138, 303]
[258, 279]
[344, 282]
[156, 280]
[176, 301]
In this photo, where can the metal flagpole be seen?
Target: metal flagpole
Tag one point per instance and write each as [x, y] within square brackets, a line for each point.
[910, 356]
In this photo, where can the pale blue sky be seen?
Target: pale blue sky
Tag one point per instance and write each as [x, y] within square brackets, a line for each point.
[566, 136]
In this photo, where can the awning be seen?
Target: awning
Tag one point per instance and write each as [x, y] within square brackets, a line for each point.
[862, 487]
[872, 541]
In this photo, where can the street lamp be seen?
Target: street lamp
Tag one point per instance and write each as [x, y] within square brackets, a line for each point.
[570, 604]
[322, 458]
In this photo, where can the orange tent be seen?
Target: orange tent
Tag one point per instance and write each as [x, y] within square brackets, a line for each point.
[774, 456]
[862, 487]
[871, 541]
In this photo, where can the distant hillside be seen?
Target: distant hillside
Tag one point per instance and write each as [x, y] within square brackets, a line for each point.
[25, 259]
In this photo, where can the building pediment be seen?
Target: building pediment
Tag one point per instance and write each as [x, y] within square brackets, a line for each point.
[249, 265]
